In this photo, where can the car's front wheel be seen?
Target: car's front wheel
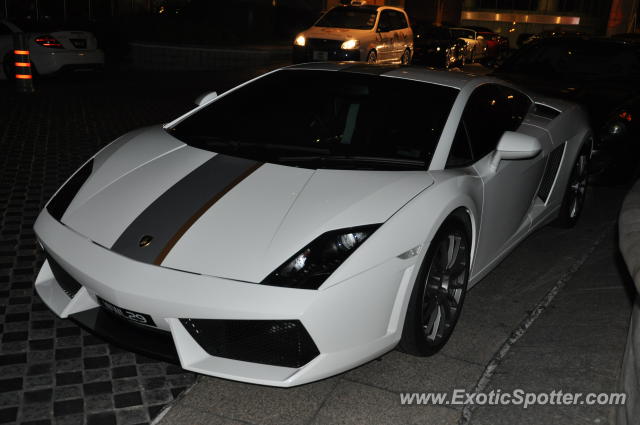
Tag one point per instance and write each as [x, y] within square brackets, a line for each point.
[372, 57]
[575, 193]
[438, 292]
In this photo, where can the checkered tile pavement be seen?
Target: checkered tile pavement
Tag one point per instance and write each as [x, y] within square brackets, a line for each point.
[51, 371]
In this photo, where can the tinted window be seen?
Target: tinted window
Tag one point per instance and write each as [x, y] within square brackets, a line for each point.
[461, 33]
[398, 21]
[460, 154]
[487, 116]
[519, 105]
[349, 17]
[324, 116]
[386, 23]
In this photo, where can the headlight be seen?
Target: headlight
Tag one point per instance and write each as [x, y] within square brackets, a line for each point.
[312, 265]
[615, 129]
[300, 40]
[350, 44]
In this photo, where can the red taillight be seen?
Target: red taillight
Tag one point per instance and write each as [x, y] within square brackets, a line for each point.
[49, 41]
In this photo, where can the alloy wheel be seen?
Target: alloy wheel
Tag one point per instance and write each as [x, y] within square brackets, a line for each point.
[578, 185]
[444, 287]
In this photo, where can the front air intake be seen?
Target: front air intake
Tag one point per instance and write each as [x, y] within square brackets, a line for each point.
[68, 284]
[273, 342]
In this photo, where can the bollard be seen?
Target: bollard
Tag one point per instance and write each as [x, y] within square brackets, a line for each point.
[24, 78]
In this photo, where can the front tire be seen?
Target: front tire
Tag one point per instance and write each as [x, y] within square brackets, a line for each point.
[575, 193]
[372, 57]
[438, 292]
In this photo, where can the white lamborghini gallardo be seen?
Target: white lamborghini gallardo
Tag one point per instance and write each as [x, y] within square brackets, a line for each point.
[309, 220]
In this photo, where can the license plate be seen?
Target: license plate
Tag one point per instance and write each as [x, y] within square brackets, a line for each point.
[79, 43]
[132, 316]
[320, 56]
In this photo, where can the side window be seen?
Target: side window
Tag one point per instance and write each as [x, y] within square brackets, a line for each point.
[398, 21]
[385, 23]
[460, 154]
[487, 116]
[519, 106]
[403, 21]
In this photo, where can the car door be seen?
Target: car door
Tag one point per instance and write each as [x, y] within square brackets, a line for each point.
[385, 36]
[399, 27]
[510, 189]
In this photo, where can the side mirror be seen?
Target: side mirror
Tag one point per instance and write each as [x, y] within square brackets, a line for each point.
[205, 98]
[514, 145]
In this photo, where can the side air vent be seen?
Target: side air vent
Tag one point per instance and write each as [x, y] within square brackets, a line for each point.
[546, 111]
[550, 172]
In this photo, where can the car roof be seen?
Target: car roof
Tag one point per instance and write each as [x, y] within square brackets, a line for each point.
[453, 79]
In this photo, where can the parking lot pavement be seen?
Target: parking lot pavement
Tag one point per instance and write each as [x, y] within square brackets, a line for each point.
[575, 345]
[50, 370]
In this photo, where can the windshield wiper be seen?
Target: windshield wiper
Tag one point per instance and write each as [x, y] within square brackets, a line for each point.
[214, 141]
[354, 158]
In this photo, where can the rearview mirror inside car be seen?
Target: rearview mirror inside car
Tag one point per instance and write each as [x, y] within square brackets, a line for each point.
[513, 146]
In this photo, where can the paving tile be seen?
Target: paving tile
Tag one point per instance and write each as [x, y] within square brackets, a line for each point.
[51, 371]
[372, 406]
[258, 404]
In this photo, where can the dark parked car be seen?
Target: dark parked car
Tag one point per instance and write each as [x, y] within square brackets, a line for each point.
[437, 46]
[602, 74]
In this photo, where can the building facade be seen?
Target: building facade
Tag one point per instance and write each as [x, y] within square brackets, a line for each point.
[512, 18]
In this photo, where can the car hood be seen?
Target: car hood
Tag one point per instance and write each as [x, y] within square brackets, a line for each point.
[600, 97]
[335, 33]
[431, 42]
[150, 184]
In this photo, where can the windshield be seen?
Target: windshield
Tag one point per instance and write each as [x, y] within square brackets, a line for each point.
[325, 119]
[349, 17]
[459, 33]
[573, 59]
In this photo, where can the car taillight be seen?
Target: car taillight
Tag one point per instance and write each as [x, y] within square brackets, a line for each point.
[49, 41]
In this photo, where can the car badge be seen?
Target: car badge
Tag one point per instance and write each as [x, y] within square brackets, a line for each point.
[145, 241]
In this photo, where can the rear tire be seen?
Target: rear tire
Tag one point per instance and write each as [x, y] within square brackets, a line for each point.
[438, 292]
[405, 59]
[575, 193]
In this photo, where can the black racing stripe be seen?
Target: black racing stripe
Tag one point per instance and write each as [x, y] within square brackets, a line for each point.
[60, 202]
[370, 69]
[171, 215]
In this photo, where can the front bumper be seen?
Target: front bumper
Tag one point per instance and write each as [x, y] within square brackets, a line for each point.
[350, 323]
[303, 54]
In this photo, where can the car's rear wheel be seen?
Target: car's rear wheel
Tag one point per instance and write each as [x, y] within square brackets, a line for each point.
[575, 193]
[439, 291]
[406, 57]
[372, 57]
